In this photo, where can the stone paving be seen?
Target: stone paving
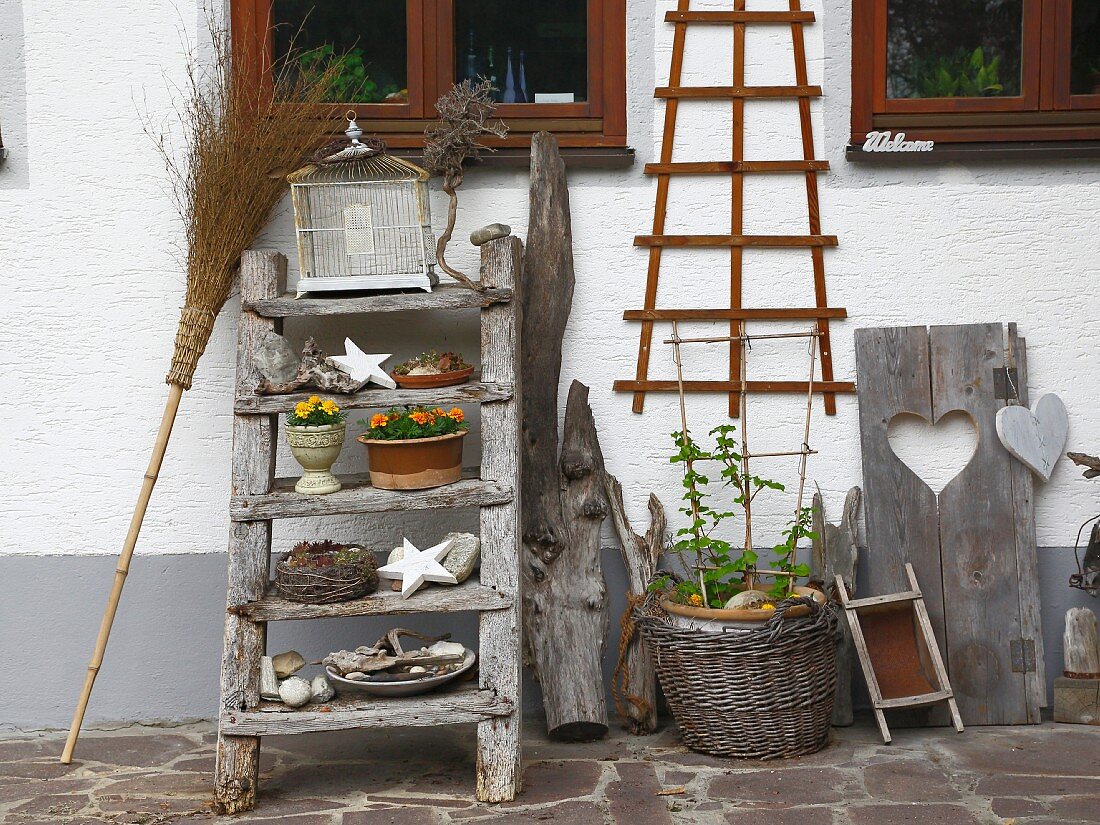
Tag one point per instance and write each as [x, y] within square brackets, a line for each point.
[155, 775]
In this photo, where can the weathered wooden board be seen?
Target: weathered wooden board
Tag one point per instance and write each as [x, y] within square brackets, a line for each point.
[442, 297]
[1081, 644]
[978, 539]
[892, 371]
[238, 757]
[499, 769]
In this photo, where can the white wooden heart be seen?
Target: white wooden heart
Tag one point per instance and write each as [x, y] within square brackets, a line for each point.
[935, 453]
[1036, 437]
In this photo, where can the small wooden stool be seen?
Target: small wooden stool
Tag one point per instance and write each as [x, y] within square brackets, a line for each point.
[898, 652]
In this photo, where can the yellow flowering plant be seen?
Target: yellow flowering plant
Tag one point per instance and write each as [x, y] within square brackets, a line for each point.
[315, 412]
[402, 423]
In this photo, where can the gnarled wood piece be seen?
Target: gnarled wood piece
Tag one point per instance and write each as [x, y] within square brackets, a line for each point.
[1081, 644]
[316, 371]
[1091, 463]
[634, 684]
[835, 553]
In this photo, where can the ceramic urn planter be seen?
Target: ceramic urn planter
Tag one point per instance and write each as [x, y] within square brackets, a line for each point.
[316, 448]
[415, 463]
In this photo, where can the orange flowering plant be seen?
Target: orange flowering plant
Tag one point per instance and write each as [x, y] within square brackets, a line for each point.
[399, 424]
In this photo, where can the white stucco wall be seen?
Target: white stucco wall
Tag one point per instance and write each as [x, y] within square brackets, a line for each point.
[92, 279]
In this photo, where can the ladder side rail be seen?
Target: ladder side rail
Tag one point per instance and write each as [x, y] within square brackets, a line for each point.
[499, 772]
[254, 436]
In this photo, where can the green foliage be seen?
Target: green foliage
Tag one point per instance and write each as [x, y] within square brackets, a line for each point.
[725, 565]
[314, 555]
[399, 424]
[315, 413]
[963, 74]
[352, 84]
[447, 362]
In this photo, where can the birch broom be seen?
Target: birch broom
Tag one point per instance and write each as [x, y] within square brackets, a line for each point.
[240, 143]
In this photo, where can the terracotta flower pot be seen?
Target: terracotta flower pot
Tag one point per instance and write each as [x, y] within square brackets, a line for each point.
[415, 463]
[316, 449]
[443, 379]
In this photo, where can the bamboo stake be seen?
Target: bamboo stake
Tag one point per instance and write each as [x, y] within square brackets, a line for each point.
[805, 441]
[688, 464]
[746, 484]
[175, 393]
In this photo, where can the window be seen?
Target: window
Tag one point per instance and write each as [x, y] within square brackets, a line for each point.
[559, 66]
[976, 71]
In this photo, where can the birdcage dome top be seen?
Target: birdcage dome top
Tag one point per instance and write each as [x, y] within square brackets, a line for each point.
[354, 161]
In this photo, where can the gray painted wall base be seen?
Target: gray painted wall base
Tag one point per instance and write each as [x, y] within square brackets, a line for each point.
[165, 651]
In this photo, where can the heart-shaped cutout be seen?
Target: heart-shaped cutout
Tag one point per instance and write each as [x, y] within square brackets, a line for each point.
[1037, 436]
[935, 453]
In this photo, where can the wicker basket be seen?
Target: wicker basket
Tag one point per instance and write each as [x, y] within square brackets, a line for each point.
[756, 694]
[324, 585]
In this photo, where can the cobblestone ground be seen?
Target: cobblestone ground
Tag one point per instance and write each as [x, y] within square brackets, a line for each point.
[1027, 775]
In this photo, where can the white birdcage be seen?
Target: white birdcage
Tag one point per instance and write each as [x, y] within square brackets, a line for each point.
[363, 221]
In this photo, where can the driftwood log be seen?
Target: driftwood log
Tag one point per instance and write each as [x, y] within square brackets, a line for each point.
[1081, 644]
[565, 602]
[835, 553]
[634, 683]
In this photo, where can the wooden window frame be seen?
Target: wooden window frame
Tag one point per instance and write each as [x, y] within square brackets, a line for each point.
[1044, 111]
[598, 122]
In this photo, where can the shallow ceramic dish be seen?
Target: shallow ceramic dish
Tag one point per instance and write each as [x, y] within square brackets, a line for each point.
[350, 686]
[441, 379]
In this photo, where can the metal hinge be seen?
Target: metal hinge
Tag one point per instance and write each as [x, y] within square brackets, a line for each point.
[1006, 383]
[1023, 655]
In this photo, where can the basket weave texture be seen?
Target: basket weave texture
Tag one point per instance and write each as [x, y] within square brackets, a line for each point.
[339, 583]
[758, 694]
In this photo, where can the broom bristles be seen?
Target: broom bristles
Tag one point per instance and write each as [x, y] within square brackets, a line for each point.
[241, 142]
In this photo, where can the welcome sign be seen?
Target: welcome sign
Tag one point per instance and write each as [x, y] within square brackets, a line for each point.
[889, 142]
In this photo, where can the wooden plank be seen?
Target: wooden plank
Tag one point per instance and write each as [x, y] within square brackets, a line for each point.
[779, 241]
[915, 701]
[892, 370]
[977, 533]
[729, 386]
[750, 314]
[1027, 562]
[499, 768]
[859, 642]
[442, 297]
[466, 596]
[359, 497]
[725, 17]
[474, 393]
[727, 167]
[449, 707]
[731, 92]
[906, 596]
[238, 757]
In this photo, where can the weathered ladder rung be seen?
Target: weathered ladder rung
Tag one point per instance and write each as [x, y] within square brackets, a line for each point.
[735, 240]
[733, 167]
[738, 314]
[735, 386]
[721, 17]
[734, 92]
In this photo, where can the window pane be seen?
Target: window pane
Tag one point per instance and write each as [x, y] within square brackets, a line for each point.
[369, 38]
[1085, 66]
[953, 48]
[533, 51]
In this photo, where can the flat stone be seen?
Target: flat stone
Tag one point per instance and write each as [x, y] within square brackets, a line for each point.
[195, 785]
[908, 780]
[675, 779]
[19, 771]
[567, 813]
[1009, 785]
[276, 360]
[480, 237]
[270, 805]
[397, 816]
[1011, 807]
[463, 556]
[1084, 808]
[287, 664]
[425, 801]
[56, 805]
[1031, 750]
[915, 814]
[633, 796]
[782, 787]
[785, 816]
[554, 781]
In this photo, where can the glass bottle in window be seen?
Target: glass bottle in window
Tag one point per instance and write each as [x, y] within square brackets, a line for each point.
[471, 59]
[509, 83]
[521, 92]
[491, 74]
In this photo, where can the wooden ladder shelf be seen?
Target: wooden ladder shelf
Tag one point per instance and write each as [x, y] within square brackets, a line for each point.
[494, 702]
[736, 168]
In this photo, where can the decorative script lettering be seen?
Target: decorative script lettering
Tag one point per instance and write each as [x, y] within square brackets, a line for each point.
[889, 142]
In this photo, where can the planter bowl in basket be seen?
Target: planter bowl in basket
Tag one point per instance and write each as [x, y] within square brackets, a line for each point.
[754, 694]
[415, 463]
[706, 618]
[324, 585]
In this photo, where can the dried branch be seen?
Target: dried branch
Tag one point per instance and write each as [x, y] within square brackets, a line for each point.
[465, 113]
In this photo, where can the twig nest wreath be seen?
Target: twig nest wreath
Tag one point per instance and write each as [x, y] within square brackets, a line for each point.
[414, 448]
[325, 572]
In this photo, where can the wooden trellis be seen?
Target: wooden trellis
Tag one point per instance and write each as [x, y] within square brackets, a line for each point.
[737, 167]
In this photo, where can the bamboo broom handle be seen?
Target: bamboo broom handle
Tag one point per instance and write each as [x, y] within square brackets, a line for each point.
[175, 392]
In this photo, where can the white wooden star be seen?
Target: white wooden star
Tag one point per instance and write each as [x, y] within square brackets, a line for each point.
[363, 367]
[419, 566]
